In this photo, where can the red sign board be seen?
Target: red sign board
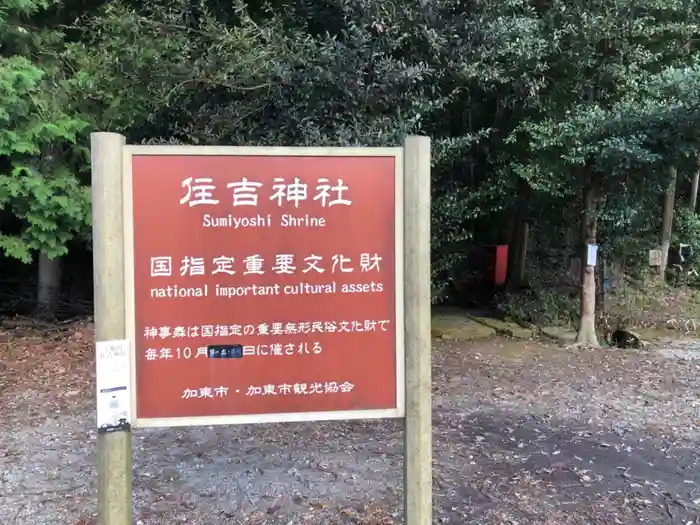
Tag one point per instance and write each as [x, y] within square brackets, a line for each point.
[264, 284]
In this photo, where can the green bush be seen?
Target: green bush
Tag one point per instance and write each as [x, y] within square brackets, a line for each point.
[541, 306]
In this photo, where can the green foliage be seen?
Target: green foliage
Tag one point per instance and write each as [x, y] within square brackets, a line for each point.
[374, 77]
[29, 118]
[508, 90]
[624, 97]
[52, 209]
[687, 232]
[541, 306]
[38, 128]
[687, 228]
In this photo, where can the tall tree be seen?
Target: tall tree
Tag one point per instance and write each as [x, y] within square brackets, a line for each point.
[38, 182]
[588, 134]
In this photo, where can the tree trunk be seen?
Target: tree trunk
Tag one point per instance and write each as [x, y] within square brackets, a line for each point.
[49, 288]
[667, 221]
[600, 288]
[521, 254]
[586, 331]
[694, 187]
[517, 251]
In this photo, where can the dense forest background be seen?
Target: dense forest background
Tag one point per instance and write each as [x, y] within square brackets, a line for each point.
[555, 124]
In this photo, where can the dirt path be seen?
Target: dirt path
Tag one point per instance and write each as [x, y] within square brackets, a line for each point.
[524, 434]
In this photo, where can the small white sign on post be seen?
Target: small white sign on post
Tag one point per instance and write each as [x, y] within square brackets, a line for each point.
[592, 255]
[655, 257]
[113, 386]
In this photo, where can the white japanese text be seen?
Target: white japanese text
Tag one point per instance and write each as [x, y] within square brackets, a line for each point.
[300, 389]
[284, 191]
[275, 328]
[256, 264]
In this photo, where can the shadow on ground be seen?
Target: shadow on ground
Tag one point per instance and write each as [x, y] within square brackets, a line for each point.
[526, 470]
[525, 433]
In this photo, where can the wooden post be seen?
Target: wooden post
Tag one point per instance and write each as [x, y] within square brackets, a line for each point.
[113, 448]
[669, 204]
[418, 473]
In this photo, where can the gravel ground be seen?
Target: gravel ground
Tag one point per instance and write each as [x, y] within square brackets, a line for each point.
[524, 433]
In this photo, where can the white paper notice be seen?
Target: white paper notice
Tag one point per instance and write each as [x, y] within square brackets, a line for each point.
[113, 386]
[592, 255]
[655, 257]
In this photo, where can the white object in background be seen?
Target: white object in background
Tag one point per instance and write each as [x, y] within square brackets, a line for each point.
[654, 257]
[592, 255]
